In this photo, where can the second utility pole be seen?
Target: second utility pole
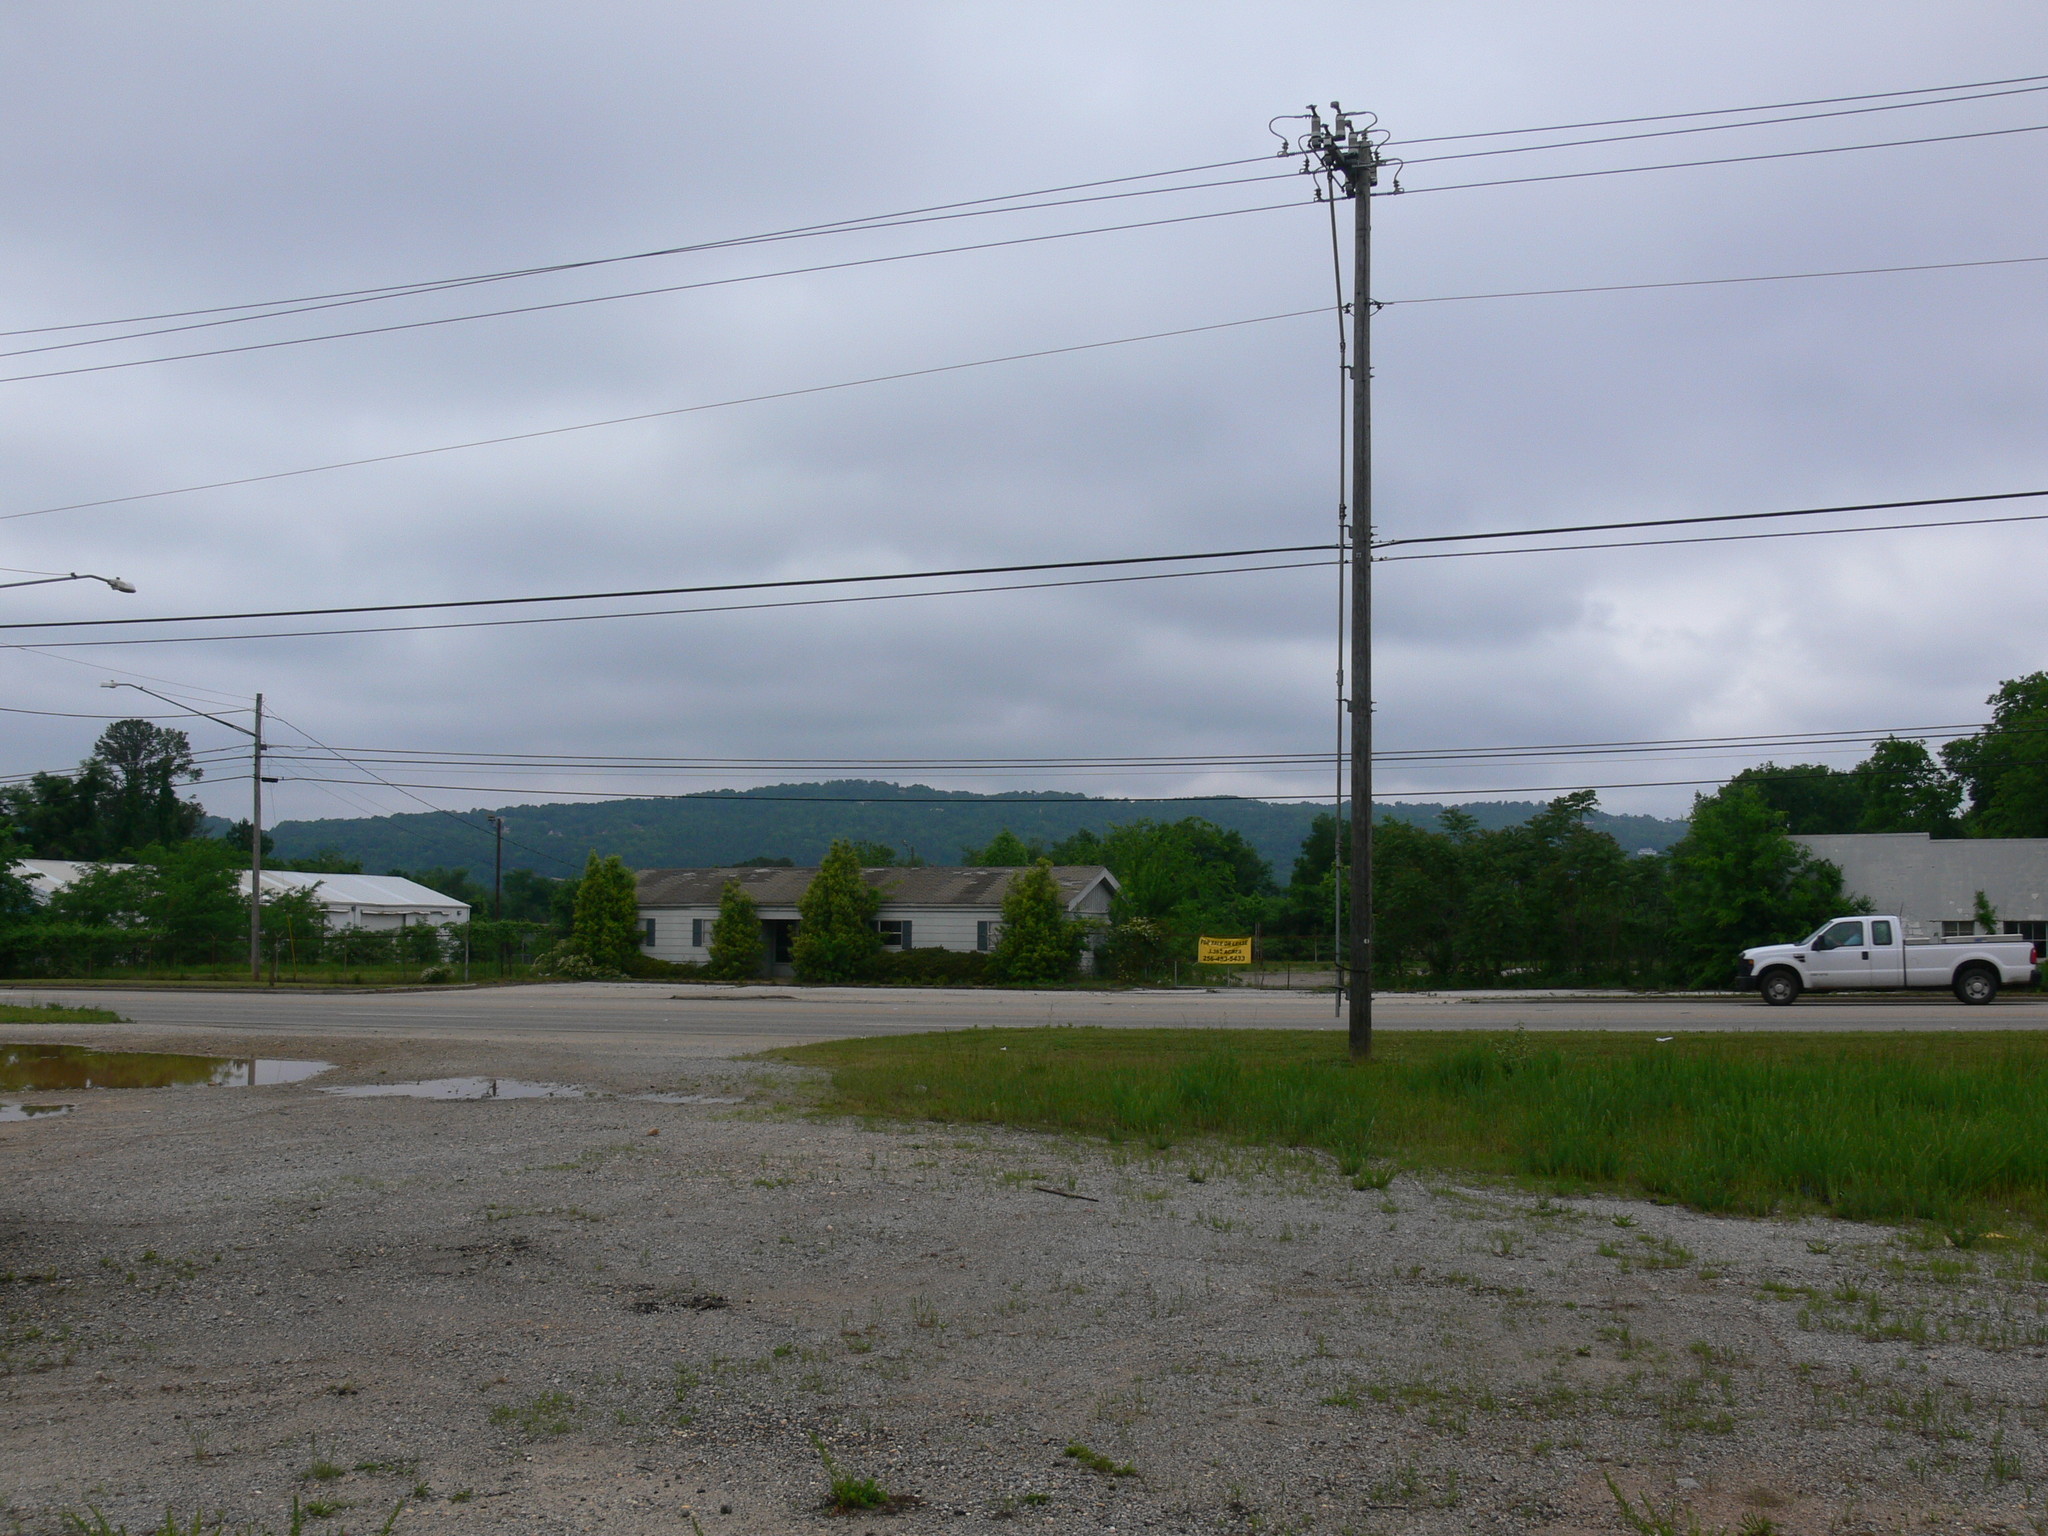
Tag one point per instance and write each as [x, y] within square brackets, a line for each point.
[1349, 155]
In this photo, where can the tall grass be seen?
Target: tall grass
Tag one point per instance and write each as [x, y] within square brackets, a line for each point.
[1886, 1127]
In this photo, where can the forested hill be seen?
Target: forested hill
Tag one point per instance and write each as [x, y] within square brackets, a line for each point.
[799, 821]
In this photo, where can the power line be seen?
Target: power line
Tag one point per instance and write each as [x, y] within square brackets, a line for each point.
[1667, 117]
[641, 293]
[65, 714]
[913, 373]
[883, 220]
[654, 613]
[1760, 122]
[1673, 522]
[406, 790]
[965, 591]
[426, 285]
[557, 761]
[961, 797]
[730, 586]
[679, 410]
[1709, 282]
[276, 314]
[1727, 538]
[1680, 165]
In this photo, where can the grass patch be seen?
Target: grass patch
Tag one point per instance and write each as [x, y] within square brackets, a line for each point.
[846, 1494]
[56, 1013]
[1943, 1128]
[551, 1413]
[1098, 1463]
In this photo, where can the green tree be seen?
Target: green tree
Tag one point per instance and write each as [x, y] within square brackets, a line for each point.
[1005, 850]
[1738, 880]
[1812, 797]
[1906, 790]
[1190, 875]
[104, 896]
[736, 946]
[529, 897]
[836, 939]
[192, 899]
[607, 923]
[885, 856]
[294, 925]
[322, 861]
[2004, 767]
[141, 805]
[1039, 943]
[57, 815]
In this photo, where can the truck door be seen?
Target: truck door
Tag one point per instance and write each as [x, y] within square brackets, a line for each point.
[1887, 954]
[1840, 958]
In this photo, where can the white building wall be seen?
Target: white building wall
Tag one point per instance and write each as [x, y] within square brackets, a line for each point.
[931, 927]
[1928, 881]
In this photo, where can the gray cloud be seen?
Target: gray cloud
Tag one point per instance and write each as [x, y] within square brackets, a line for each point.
[158, 159]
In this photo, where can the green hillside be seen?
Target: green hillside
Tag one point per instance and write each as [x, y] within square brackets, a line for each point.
[799, 821]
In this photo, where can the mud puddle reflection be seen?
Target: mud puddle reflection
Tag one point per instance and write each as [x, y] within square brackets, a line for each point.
[30, 1068]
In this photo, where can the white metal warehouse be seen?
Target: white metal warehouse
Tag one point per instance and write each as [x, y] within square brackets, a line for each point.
[350, 901]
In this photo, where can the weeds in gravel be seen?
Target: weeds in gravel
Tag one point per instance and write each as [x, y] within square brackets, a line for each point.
[95, 1523]
[1098, 1463]
[1947, 1129]
[846, 1494]
[551, 1413]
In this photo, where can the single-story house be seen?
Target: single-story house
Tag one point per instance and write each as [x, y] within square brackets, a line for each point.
[929, 907]
[1932, 883]
[350, 901]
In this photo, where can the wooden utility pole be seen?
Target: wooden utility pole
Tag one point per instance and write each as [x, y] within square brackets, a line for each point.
[256, 846]
[1345, 148]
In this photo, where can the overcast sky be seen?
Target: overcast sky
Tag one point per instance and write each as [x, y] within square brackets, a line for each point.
[169, 158]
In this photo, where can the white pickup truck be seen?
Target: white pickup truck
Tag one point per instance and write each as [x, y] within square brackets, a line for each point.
[1872, 952]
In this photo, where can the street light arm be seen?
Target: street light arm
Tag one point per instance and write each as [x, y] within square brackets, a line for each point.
[114, 583]
[202, 714]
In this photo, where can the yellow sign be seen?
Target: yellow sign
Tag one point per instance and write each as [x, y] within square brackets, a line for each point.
[1223, 951]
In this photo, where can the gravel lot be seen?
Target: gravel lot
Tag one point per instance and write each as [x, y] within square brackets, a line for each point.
[608, 1314]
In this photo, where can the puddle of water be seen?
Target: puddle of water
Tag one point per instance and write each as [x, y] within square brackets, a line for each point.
[461, 1088]
[30, 1067]
[682, 1098]
[32, 1111]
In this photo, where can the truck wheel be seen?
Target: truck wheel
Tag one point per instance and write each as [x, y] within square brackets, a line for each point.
[1976, 984]
[1780, 988]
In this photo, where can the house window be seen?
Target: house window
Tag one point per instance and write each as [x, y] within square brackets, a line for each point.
[1951, 929]
[895, 935]
[700, 932]
[2030, 928]
[647, 933]
[985, 935]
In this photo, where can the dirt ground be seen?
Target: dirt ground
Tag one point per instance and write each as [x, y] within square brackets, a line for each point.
[621, 1316]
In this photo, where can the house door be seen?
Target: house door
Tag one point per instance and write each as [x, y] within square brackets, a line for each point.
[779, 931]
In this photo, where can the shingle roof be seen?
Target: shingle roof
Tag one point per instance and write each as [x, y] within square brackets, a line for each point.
[928, 886]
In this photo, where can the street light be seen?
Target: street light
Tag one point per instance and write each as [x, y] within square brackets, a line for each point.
[114, 582]
[256, 783]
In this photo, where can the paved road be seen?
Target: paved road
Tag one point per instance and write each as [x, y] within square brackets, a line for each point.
[754, 1018]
